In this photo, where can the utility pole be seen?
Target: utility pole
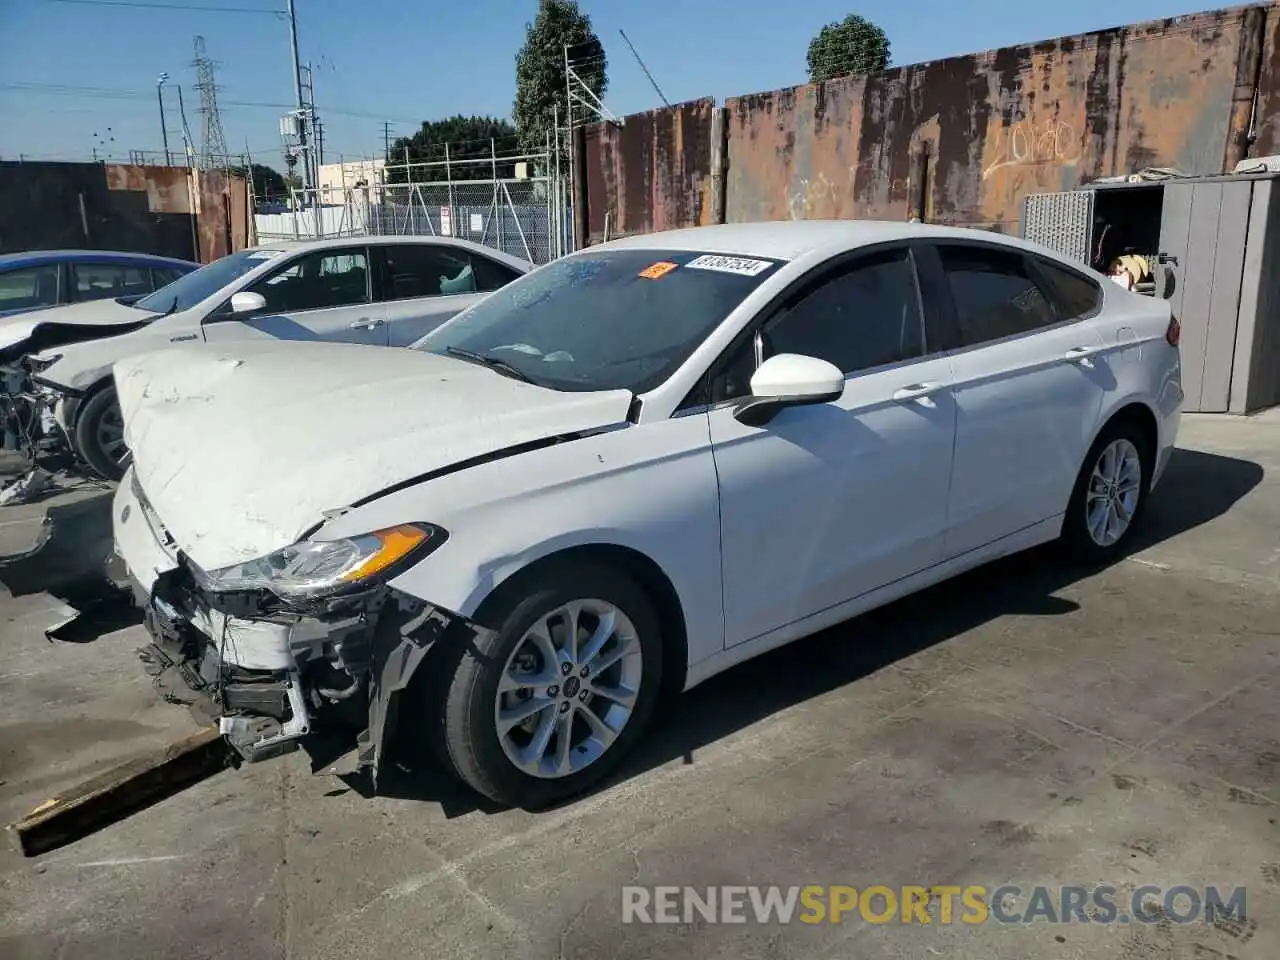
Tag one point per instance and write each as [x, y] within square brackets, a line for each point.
[319, 145]
[164, 130]
[386, 141]
[297, 93]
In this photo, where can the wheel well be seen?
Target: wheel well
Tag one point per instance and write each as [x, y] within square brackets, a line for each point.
[1140, 416]
[77, 404]
[651, 578]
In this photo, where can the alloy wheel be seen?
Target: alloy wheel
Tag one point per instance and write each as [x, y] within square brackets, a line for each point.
[568, 689]
[110, 435]
[1115, 486]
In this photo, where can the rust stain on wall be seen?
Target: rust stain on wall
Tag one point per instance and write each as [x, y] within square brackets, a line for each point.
[220, 202]
[652, 173]
[165, 187]
[111, 206]
[998, 125]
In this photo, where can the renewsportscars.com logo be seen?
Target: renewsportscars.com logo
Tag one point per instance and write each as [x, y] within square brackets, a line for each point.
[973, 904]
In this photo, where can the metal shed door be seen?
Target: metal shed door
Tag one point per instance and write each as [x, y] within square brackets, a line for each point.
[1204, 226]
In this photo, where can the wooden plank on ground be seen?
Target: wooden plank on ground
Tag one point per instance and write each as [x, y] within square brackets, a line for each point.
[111, 796]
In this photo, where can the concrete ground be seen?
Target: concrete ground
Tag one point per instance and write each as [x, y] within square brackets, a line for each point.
[1020, 725]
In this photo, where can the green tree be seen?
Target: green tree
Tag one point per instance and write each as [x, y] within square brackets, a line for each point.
[540, 73]
[267, 182]
[469, 138]
[851, 45]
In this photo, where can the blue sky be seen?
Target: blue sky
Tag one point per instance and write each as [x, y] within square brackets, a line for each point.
[69, 69]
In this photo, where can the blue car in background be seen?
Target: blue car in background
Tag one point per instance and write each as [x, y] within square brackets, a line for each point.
[51, 278]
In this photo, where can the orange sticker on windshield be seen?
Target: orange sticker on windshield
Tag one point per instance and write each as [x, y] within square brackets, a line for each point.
[659, 269]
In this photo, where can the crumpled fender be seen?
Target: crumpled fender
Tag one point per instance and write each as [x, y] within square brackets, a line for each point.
[406, 633]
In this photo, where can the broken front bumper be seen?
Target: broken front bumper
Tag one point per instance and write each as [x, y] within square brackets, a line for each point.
[267, 672]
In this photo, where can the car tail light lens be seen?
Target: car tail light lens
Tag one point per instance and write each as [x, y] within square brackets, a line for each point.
[1174, 333]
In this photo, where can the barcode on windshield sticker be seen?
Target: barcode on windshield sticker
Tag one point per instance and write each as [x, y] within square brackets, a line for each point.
[739, 265]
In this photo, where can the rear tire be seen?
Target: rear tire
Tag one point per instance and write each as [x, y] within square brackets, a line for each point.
[99, 435]
[1110, 493]
[581, 712]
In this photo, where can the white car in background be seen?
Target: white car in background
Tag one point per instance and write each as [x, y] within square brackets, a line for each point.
[382, 291]
[622, 474]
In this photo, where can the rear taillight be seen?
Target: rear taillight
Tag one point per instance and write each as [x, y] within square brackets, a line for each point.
[1174, 333]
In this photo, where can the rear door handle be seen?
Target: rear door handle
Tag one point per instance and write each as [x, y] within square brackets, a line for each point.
[366, 323]
[915, 391]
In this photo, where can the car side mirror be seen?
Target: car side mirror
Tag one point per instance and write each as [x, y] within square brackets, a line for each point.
[245, 302]
[789, 380]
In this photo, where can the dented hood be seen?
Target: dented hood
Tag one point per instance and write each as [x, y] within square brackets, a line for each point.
[17, 328]
[240, 450]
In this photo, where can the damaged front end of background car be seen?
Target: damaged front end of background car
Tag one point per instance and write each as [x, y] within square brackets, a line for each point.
[327, 650]
[36, 414]
[31, 427]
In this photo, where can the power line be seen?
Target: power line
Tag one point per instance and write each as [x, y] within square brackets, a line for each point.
[120, 93]
[142, 5]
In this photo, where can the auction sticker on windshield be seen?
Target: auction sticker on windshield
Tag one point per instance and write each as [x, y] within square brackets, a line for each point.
[264, 254]
[739, 265]
[659, 269]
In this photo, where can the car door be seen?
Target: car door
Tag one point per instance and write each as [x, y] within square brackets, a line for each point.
[828, 502]
[319, 295]
[424, 284]
[1027, 390]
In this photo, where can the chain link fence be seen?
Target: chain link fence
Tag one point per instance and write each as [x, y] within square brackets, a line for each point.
[525, 215]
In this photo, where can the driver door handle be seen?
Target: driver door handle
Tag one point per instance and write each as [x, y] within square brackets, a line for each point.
[915, 391]
[366, 323]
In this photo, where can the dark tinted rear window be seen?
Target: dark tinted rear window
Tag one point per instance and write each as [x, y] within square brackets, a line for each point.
[1074, 295]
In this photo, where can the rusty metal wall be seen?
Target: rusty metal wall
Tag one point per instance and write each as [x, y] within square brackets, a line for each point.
[652, 173]
[170, 211]
[996, 125]
[1266, 125]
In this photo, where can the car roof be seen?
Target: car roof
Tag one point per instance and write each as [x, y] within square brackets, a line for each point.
[37, 258]
[791, 239]
[331, 243]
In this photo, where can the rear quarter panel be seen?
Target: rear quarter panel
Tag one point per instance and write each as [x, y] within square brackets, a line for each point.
[1145, 367]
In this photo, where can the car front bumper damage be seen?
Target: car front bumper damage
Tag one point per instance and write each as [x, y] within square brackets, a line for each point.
[271, 674]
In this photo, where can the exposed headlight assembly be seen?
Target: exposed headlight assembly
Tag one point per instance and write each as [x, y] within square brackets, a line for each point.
[318, 568]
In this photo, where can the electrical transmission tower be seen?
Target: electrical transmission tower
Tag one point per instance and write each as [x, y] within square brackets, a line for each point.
[213, 146]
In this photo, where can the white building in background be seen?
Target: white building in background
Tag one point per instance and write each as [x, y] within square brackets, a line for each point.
[337, 178]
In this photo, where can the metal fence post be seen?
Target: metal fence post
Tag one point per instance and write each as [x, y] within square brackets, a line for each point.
[448, 178]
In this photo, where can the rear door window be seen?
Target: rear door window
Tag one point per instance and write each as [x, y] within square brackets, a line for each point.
[1075, 296]
[994, 293]
[412, 270]
[103, 281]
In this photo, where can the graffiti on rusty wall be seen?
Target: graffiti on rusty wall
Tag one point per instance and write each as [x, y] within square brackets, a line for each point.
[961, 140]
[172, 211]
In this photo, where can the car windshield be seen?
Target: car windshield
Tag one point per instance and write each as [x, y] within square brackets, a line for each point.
[185, 292]
[617, 319]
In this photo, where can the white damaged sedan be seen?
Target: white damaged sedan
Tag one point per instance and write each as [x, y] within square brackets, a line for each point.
[620, 475]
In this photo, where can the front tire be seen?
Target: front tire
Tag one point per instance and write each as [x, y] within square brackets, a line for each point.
[1110, 493]
[550, 702]
[99, 435]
